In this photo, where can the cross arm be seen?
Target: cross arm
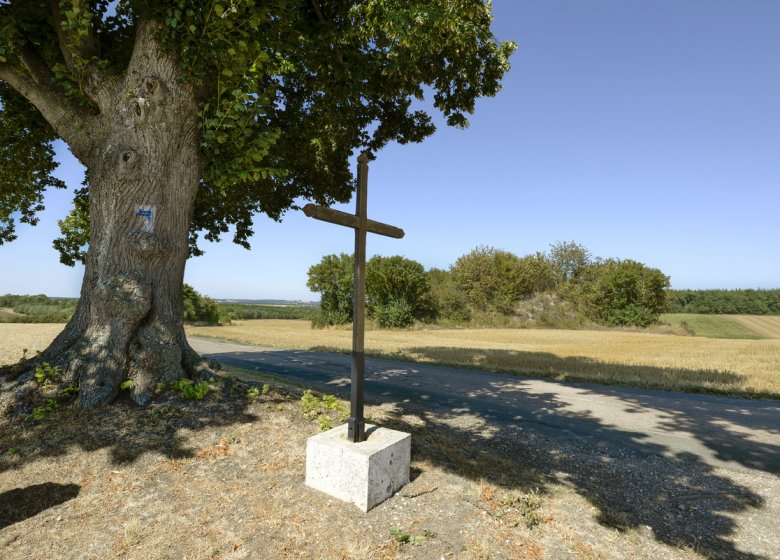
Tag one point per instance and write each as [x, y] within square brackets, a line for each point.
[350, 220]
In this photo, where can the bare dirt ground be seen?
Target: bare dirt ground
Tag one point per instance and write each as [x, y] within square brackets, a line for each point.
[767, 326]
[224, 478]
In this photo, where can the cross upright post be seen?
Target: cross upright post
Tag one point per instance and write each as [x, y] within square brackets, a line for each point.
[356, 425]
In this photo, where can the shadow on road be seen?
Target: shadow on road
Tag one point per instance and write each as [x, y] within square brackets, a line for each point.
[635, 483]
[717, 423]
[578, 368]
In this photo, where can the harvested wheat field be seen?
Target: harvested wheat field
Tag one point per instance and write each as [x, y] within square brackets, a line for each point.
[749, 367]
[16, 337]
[767, 326]
[604, 356]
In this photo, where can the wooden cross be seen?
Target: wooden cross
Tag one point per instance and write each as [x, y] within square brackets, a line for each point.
[356, 427]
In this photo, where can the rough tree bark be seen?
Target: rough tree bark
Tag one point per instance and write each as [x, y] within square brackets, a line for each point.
[141, 152]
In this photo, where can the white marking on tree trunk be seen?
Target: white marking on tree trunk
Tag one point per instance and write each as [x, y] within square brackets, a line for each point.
[146, 216]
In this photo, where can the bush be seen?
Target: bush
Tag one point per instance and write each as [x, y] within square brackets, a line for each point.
[198, 308]
[539, 273]
[492, 280]
[449, 302]
[394, 314]
[618, 293]
[397, 291]
[569, 260]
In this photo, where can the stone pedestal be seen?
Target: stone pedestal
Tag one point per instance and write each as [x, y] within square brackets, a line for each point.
[365, 473]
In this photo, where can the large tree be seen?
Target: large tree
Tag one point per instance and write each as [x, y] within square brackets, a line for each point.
[194, 115]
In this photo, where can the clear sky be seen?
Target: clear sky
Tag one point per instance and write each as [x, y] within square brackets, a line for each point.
[642, 130]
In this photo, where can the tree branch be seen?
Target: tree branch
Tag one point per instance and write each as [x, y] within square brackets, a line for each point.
[88, 44]
[321, 17]
[316, 5]
[62, 38]
[69, 121]
[36, 66]
[80, 62]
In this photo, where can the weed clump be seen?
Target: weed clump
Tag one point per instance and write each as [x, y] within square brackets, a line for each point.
[324, 410]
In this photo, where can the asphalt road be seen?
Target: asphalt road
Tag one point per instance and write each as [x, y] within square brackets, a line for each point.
[737, 434]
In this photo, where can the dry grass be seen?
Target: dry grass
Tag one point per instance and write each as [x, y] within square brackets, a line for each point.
[749, 367]
[224, 478]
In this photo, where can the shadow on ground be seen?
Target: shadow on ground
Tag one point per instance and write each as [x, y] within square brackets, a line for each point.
[22, 503]
[633, 482]
[127, 430]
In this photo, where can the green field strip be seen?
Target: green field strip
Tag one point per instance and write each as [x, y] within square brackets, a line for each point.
[711, 326]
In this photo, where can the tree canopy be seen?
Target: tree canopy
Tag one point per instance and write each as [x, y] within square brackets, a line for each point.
[286, 90]
[333, 278]
[397, 290]
[190, 117]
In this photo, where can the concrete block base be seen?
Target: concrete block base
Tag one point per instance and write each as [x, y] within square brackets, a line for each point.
[365, 473]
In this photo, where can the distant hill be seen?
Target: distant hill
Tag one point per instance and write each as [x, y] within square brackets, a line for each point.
[278, 302]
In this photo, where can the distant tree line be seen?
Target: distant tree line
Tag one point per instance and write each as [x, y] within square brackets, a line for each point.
[202, 309]
[38, 308]
[565, 282]
[738, 302]
[197, 309]
[243, 311]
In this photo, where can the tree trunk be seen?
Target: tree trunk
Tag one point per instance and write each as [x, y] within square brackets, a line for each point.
[143, 171]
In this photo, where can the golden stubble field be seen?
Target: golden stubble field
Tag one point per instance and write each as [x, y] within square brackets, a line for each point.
[632, 358]
[16, 337]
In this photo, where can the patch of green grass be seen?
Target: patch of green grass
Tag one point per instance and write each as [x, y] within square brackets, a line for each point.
[404, 537]
[710, 326]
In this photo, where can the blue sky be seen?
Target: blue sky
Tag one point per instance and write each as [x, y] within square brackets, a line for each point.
[642, 130]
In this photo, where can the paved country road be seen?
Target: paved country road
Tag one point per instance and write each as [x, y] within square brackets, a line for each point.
[737, 433]
[689, 468]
